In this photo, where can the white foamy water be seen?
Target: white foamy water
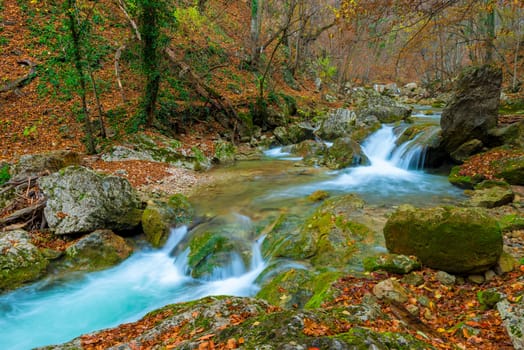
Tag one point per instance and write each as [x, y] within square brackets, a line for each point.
[49, 313]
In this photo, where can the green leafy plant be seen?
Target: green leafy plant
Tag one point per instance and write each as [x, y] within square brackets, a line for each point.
[4, 174]
[30, 131]
[189, 19]
[325, 68]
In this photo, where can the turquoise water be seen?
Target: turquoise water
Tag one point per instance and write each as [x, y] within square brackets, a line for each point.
[57, 310]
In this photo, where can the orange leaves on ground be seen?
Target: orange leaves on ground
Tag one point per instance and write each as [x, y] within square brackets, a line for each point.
[445, 316]
[484, 164]
[314, 329]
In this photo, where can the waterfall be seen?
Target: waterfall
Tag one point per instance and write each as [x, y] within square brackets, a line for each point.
[53, 312]
[382, 150]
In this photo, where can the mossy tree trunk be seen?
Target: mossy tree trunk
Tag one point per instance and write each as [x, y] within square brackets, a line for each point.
[150, 11]
[72, 14]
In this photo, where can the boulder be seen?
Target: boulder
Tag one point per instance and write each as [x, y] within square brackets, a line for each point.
[344, 152]
[96, 251]
[382, 107]
[298, 288]
[466, 150]
[490, 195]
[511, 170]
[473, 109]
[292, 134]
[20, 260]
[338, 123]
[463, 181]
[160, 216]
[158, 148]
[312, 152]
[224, 153]
[326, 238]
[512, 134]
[37, 164]
[80, 200]
[512, 315]
[219, 247]
[455, 240]
[210, 252]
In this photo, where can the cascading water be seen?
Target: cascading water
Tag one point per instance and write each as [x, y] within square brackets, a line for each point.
[394, 173]
[56, 311]
[52, 312]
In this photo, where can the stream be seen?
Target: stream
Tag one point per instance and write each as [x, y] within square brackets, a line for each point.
[59, 309]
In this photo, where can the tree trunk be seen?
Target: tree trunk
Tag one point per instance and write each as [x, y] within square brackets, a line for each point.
[490, 30]
[150, 36]
[256, 27]
[77, 57]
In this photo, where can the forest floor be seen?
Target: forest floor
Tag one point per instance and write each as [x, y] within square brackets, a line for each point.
[31, 124]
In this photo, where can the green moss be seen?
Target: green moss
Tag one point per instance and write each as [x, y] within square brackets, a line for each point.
[323, 290]
[318, 196]
[511, 170]
[466, 182]
[488, 298]
[456, 240]
[363, 338]
[203, 246]
[512, 107]
[511, 222]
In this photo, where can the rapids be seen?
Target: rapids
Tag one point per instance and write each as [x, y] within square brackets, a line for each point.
[58, 309]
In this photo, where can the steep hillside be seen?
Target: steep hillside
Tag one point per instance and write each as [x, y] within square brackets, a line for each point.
[44, 111]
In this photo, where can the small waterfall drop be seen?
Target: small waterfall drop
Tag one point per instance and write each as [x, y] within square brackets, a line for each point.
[54, 312]
[382, 150]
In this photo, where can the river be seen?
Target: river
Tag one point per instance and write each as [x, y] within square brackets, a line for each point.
[60, 308]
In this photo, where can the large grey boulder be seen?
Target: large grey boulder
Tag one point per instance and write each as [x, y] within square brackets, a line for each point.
[384, 108]
[98, 250]
[36, 164]
[337, 124]
[473, 109]
[81, 200]
[455, 240]
[293, 133]
[20, 260]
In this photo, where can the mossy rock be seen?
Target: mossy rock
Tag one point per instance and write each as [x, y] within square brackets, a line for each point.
[35, 164]
[412, 131]
[327, 238]
[309, 149]
[160, 216]
[20, 260]
[318, 196]
[96, 251]
[224, 153]
[263, 327]
[511, 222]
[511, 170]
[394, 263]
[455, 240]
[490, 194]
[299, 288]
[211, 251]
[363, 339]
[344, 152]
[463, 181]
